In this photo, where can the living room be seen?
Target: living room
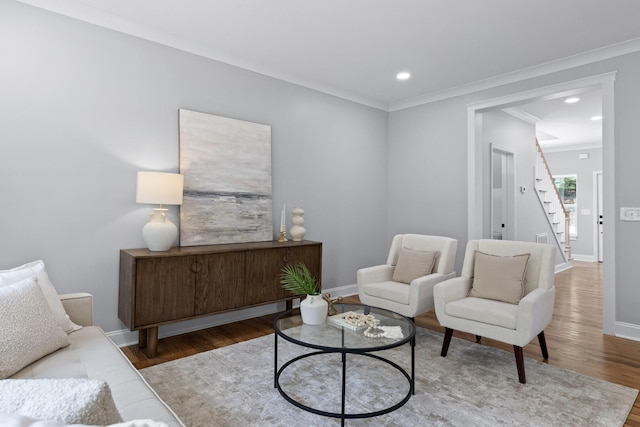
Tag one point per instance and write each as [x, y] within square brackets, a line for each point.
[85, 108]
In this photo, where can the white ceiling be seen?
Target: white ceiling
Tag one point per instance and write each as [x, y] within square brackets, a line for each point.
[561, 126]
[354, 48]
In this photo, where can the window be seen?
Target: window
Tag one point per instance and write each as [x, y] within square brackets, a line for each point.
[567, 188]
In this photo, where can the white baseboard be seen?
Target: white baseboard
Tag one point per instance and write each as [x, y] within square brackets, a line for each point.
[585, 258]
[562, 267]
[627, 330]
[125, 337]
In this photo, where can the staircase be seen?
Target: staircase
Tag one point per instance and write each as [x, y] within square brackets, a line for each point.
[552, 204]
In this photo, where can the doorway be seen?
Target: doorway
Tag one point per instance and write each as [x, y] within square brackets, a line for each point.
[475, 169]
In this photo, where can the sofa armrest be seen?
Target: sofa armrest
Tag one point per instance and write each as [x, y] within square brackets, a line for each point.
[79, 307]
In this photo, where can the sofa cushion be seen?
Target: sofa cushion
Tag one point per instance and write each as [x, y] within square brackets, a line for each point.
[69, 400]
[499, 277]
[483, 310]
[29, 330]
[413, 264]
[92, 354]
[37, 268]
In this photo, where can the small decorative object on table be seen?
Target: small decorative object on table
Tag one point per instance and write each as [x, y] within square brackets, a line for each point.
[282, 237]
[298, 280]
[297, 231]
[331, 310]
[374, 331]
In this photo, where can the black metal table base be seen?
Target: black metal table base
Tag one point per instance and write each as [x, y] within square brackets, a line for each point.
[343, 415]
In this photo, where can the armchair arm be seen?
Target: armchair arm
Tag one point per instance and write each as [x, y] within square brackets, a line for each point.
[79, 307]
[377, 273]
[421, 290]
[535, 312]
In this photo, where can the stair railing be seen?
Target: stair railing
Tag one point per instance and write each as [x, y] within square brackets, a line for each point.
[549, 197]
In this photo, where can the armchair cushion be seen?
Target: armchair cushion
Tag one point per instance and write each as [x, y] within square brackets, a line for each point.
[483, 310]
[392, 291]
[413, 264]
[499, 278]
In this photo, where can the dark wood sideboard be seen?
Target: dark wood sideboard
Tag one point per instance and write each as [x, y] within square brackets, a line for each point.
[183, 283]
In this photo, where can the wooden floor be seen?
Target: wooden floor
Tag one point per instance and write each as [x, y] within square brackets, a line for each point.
[574, 337]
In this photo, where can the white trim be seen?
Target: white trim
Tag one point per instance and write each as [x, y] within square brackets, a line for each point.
[585, 58]
[609, 227]
[595, 218]
[519, 113]
[583, 258]
[474, 163]
[562, 267]
[628, 331]
[125, 337]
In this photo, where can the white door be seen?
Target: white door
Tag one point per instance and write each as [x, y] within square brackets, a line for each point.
[599, 217]
[502, 193]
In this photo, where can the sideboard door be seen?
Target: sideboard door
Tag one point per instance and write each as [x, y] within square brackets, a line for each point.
[165, 290]
[219, 282]
[264, 268]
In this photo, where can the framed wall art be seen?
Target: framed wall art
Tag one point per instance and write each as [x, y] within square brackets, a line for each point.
[226, 165]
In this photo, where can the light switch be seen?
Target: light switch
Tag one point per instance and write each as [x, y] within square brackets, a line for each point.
[630, 214]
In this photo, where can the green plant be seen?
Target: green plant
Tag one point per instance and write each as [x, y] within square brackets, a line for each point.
[298, 280]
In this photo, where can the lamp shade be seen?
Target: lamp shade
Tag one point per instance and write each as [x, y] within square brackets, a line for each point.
[160, 188]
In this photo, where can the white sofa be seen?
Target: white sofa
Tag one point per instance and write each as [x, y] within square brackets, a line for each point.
[91, 354]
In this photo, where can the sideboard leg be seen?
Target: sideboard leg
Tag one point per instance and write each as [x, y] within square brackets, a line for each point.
[152, 341]
[142, 338]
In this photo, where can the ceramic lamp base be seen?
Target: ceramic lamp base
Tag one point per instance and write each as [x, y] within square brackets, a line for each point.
[159, 233]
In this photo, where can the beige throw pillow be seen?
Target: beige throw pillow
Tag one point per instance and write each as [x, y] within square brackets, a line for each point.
[28, 329]
[499, 278]
[37, 268]
[413, 264]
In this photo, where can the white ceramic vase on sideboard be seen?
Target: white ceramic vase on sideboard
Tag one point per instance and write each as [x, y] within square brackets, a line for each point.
[297, 231]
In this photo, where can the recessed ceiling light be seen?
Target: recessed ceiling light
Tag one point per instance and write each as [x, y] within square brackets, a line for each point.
[596, 118]
[403, 75]
[572, 100]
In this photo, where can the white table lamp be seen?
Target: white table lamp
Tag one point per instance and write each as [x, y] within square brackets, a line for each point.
[159, 188]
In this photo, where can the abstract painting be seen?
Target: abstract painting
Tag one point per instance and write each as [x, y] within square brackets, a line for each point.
[226, 165]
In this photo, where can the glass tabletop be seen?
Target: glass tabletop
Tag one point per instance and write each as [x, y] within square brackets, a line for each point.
[339, 331]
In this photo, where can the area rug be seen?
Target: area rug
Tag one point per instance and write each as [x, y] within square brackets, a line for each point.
[474, 385]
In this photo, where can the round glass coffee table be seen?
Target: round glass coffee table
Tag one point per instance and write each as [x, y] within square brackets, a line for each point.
[341, 337]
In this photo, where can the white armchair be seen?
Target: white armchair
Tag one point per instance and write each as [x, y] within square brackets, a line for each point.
[416, 262]
[492, 315]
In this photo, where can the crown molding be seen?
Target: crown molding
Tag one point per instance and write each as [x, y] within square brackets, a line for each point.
[522, 115]
[566, 63]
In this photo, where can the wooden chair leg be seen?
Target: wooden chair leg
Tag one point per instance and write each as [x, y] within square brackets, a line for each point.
[520, 363]
[448, 333]
[543, 345]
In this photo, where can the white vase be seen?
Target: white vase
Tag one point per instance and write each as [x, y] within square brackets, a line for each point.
[297, 231]
[313, 310]
[159, 233]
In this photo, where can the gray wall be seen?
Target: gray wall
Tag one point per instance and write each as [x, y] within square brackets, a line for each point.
[84, 108]
[568, 163]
